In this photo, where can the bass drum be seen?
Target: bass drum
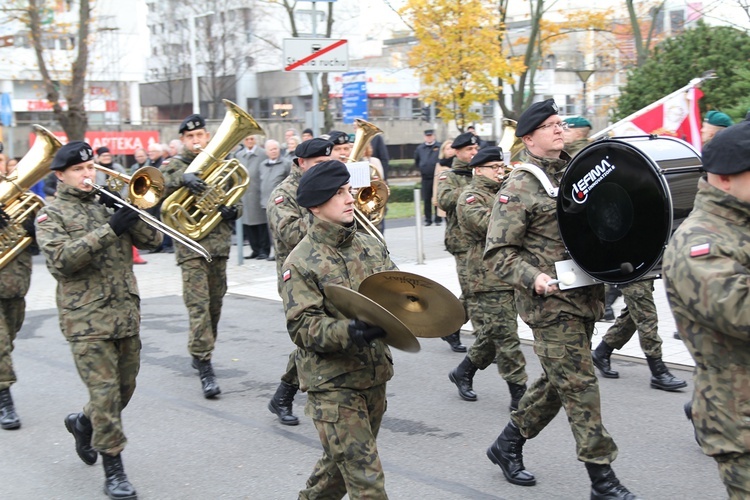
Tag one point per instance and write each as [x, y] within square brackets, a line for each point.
[621, 199]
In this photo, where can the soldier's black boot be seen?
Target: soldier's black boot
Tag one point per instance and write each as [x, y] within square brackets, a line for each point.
[507, 452]
[516, 393]
[281, 404]
[454, 339]
[116, 484]
[463, 377]
[605, 485]
[79, 425]
[688, 409]
[601, 357]
[661, 378]
[208, 379]
[8, 416]
[609, 298]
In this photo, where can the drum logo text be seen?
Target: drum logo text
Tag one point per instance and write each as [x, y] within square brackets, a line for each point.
[593, 177]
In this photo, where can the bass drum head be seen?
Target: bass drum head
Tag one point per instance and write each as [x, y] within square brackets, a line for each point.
[615, 210]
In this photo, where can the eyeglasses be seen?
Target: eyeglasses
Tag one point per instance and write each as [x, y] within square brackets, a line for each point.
[495, 166]
[562, 125]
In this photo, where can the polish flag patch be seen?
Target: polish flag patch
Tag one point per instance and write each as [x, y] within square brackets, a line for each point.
[443, 177]
[700, 250]
[42, 218]
[287, 275]
[503, 198]
[471, 199]
[278, 199]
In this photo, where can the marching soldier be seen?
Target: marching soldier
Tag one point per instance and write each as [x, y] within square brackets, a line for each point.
[576, 136]
[204, 283]
[450, 185]
[342, 364]
[342, 145]
[713, 123]
[15, 279]
[87, 247]
[524, 242]
[289, 223]
[706, 274]
[494, 316]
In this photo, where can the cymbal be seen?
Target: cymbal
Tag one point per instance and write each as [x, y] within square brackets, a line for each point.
[354, 305]
[428, 308]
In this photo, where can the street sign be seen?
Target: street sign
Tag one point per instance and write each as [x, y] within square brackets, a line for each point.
[354, 96]
[318, 55]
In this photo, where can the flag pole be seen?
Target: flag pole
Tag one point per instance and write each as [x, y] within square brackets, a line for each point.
[708, 75]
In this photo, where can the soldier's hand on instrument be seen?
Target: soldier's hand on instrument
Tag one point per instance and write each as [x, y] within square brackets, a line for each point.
[362, 333]
[29, 227]
[4, 218]
[194, 183]
[122, 220]
[541, 287]
[108, 201]
[228, 213]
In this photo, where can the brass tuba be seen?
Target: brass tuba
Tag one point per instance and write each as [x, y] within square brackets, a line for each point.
[15, 198]
[370, 202]
[509, 142]
[226, 180]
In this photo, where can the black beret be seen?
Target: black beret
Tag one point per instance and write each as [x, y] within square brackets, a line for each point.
[338, 137]
[100, 151]
[313, 148]
[465, 139]
[429, 131]
[535, 116]
[72, 153]
[729, 151]
[486, 155]
[192, 122]
[321, 182]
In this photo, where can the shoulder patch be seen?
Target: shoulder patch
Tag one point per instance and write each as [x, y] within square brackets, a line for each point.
[700, 250]
[443, 177]
[278, 199]
[287, 275]
[42, 218]
[165, 162]
[471, 199]
[503, 198]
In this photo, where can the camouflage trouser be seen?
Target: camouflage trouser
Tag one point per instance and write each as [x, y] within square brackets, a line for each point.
[348, 423]
[290, 375]
[463, 277]
[495, 322]
[735, 474]
[12, 313]
[640, 314]
[203, 287]
[108, 368]
[569, 382]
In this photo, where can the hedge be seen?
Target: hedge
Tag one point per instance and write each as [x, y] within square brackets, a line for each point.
[402, 193]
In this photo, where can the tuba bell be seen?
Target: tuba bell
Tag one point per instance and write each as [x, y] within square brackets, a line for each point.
[509, 142]
[18, 202]
[370, 202]
[226, 180]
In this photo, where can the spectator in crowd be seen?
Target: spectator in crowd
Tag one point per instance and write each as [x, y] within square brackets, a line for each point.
[445, 160]
[307, 134]
[273, 170]
[254, 222]
[425, 158]
[291, 145]
[155, 155]
[141, 157]
[175, 146]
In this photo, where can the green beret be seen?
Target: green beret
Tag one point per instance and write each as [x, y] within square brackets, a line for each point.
[320, 183]
[577, 122]
[717, 119]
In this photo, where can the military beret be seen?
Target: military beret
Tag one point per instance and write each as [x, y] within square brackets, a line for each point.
[72, 153]
[192, 122]
[717, 119]
[100, 151]
[313, 148]
[535, 116]
[465, 139]
[577, 122]
[729, 151]
[321, 182]
[308, 131]
[429, 131]
[338, 137]
[486, 155]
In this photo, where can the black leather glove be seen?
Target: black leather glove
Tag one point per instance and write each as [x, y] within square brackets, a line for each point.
[4, 218]
[122, 220]
[194, 183]
[362, 334]
[29, 227]
[228, 213]
[108, 201]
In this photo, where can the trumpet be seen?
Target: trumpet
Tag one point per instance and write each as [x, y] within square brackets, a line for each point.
[145, 186]
[135, 183]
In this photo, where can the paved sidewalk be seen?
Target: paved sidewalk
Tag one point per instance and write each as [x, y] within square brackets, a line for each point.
[161, 277]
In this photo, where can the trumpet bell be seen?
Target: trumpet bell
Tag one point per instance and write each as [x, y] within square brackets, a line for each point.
[373, 198]
[146, 187]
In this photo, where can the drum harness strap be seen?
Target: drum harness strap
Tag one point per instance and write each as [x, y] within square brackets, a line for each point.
[539, 174]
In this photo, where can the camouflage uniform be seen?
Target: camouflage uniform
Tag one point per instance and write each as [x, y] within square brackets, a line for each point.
[204, 284]
[345, 383]
[98, 302]
[574, 147]
[640, 312]
[494, 315]
[524, 241]
[288, 223]
[450, 185]
[706, 274]
[15, 279]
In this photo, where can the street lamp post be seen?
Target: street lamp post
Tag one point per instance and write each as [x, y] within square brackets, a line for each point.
[194, 62]
[584, 75]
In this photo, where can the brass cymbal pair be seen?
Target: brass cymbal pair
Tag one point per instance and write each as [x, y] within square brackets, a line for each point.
[403, 304]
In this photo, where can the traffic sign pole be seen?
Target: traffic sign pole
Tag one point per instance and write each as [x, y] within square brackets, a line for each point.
[315, 97]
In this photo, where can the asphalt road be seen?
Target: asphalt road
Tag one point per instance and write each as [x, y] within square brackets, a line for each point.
[432, 444]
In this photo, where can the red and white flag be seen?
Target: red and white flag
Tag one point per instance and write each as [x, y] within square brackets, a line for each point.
[677, 116]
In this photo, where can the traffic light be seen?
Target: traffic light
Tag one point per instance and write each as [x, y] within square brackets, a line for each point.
[426, 113]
